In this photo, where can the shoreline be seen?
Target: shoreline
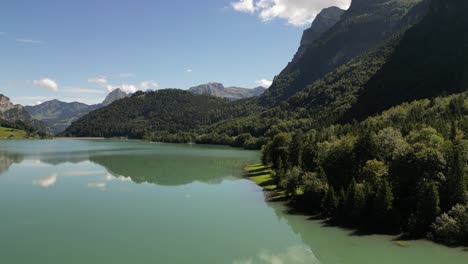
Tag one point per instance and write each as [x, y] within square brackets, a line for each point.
[80, 138]
[262, 177]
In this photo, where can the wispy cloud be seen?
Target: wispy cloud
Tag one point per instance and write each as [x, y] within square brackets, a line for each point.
[246, 6]
[79, 90]
[29, 41]
[98, 80]
[102, 186]
[149, 85]
[128, 88]
[47, 83]
[264, 82]
[189, 70]
[296, 12]
[132, 88]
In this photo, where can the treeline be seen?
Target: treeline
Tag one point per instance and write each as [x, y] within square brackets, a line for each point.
[404, 170]
[20, 125]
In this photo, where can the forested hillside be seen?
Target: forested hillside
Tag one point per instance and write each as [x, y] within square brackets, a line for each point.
[431, 59]
[398, 171]
[171, 111]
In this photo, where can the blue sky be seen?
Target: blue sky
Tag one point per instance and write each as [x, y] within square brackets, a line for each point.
[80, 50]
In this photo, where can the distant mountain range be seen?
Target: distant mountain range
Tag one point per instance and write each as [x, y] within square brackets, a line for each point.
[59, 115]
[231, 93]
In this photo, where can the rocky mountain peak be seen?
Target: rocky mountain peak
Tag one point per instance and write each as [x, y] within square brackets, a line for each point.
[6, 104]
[326, 19]
[113, 96]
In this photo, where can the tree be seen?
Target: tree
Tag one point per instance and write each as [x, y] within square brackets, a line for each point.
[291, 181]
[451, 228]
[296, 149]
[365, 148]
[314, 188]
[391, 144]
[427, 208]
[456, 176]
[355, 202]
[330, 203]
[383, 206]
[373, 171]
[279, 151]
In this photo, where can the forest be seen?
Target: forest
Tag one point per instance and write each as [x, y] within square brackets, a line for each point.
[401, 171]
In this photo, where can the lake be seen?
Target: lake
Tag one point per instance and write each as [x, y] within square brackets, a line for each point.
[105, 201]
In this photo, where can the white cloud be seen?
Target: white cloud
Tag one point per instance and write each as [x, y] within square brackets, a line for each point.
[29, 41]
[246, 6]
[264, 82]
[38, 102]
[149, 85]
[98, 80]
[128, 88]
[296, 12]
[132, 88]
[47, 83]
[189, 70]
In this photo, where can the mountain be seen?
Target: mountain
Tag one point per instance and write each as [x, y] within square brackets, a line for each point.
[231, 93]
[12, 113]
[113, 96]
[325, 20]
[59, 115]
[362, 27]
[430, 60]
[169, 110]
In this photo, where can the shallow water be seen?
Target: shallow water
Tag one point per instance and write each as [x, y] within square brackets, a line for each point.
[103, 201]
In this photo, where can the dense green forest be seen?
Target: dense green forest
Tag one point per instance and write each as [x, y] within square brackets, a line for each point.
[403, 170]
[167, 111]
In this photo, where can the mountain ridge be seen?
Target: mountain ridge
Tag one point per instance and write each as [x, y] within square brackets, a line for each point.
[231, 93]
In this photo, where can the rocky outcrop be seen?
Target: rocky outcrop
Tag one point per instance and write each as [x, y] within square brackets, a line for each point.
[323, 22]
[11, 112]
[231, 93]
[115, 95]
[364, 26]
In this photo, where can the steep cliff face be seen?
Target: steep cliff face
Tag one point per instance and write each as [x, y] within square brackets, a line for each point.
[323, 22]
[365, 25]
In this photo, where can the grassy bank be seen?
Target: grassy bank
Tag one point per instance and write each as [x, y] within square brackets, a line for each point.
[10, 133]
[263, 177]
